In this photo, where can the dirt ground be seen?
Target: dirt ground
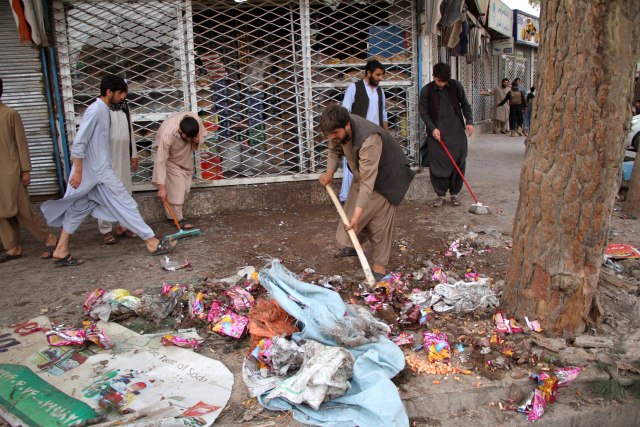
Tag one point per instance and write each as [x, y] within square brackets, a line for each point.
[301, 237]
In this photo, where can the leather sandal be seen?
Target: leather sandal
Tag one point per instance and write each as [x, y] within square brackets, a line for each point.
[164, 247]
[437, 203]
[345, 252]
[455, 201]
[67, 261]
[109, 238]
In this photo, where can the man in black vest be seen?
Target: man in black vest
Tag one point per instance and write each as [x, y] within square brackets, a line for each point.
[445, 111]
[365, 98]
[381, 178]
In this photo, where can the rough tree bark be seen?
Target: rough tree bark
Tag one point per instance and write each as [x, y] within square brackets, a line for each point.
[572, 165]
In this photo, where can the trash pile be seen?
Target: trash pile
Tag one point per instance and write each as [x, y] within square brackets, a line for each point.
[335, 370]
[218, 305]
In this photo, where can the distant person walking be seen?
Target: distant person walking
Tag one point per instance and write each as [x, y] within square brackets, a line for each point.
[500, 114]
[517, 104]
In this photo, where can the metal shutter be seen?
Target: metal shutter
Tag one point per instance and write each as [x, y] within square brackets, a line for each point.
[21, 71]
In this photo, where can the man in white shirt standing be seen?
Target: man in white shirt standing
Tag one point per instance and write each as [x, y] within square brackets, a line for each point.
[364, 98]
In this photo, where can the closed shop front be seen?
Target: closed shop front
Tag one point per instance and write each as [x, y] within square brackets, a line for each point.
[257, 72]
[22, 74]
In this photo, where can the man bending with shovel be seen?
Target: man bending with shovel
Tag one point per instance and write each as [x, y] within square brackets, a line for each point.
[381, 178]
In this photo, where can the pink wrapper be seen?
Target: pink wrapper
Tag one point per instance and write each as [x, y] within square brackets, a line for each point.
[92, 298]
[79, 336]
[231, 325]
[262, 352]
[403, 339]
[437, 347]
[170, 339]
[439, 275]
[169, 290]
[241, 298]
[196, 305]
[566, 375]
[471, 275]
[217, 310]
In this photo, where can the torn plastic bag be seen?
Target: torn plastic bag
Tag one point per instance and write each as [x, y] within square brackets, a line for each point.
[372, 399]
[462, 297]
[324, 375]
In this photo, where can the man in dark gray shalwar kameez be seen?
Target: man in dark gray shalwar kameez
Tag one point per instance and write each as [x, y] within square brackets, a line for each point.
[445, 111]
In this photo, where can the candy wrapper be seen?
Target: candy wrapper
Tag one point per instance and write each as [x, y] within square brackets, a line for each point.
[231, 325]
[262, 352]
[196, 305]
[216, 312]
[403, 338]
[425, 315]
[506, 326]
[241, 298]
[170, 339]
[169, 265]
[566, 375]
[78, 336]
[437, 346]
[438, 275]
[92, 298]
[172, 290]
[534, 406]
[534, 325]
[471, 275]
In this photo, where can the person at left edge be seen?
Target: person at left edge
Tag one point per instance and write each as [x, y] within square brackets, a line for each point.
[15, 176]
[94, 188]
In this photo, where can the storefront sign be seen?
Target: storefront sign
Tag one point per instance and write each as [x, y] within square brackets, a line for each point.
[502, 46]
[500, 18]
[526, 28]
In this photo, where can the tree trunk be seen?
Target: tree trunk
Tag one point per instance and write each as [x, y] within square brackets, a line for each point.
[632, 203]
[572, 165]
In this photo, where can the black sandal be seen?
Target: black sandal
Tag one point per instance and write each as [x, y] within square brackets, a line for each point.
[164, 247]
[67, 261]
[345, 252]
[48, 253]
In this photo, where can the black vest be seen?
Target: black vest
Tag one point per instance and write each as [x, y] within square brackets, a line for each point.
[394, 172]
[361, 101]
[434, 105]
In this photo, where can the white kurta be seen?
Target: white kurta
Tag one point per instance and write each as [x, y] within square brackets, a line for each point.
[101, 192]
[123, 146]
[500, 113]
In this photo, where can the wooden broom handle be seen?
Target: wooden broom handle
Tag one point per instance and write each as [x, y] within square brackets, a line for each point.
[368, 274]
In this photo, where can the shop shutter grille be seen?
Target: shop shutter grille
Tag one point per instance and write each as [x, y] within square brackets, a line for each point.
[258, 73]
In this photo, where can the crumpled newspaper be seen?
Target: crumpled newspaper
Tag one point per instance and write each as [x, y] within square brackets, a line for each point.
[462, 297]
[324, 375]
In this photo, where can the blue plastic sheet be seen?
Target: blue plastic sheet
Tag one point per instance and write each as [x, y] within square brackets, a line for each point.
[373, 399]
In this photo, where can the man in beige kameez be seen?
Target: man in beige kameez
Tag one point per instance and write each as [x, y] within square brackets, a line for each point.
[500, 114]
[15, 176]
[177, 139]
[381, 178]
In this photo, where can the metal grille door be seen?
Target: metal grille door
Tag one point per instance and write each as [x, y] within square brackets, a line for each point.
[142, 42]
[258, 73]
[343, 37]
[249, 88]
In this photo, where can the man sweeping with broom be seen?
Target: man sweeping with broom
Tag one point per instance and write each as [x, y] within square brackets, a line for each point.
[445, 111]
[381, 178]
[177, 139]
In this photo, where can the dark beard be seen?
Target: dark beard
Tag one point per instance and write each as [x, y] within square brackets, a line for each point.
[372, 82]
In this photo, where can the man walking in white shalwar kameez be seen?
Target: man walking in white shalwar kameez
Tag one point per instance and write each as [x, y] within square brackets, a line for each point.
[94, 188]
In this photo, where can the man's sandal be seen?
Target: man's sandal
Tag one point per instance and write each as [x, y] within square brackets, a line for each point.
[67, 261]
[185, 225]
[4, 257]
[109, 238]
[345, 252]
[48, 253]
[126, 233]
[455, 201]
[164, 247]
[439, 202]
